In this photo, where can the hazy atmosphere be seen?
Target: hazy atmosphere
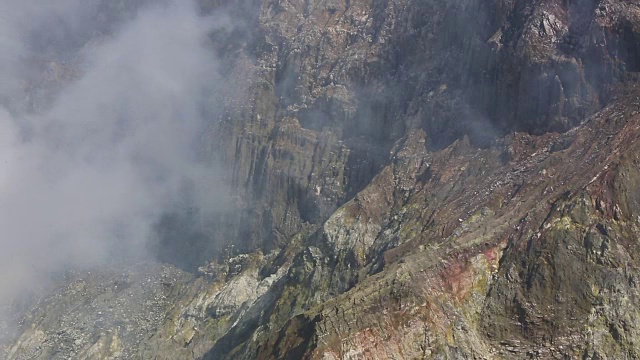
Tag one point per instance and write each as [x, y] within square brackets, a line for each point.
[97, 144]
[297, 179]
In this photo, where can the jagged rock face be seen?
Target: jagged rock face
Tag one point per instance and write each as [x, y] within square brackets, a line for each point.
[414, 179]
[337, 84]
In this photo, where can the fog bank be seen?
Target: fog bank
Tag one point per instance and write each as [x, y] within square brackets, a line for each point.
[84, 178]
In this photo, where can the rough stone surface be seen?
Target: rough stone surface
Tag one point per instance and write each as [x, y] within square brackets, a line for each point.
[411, 179]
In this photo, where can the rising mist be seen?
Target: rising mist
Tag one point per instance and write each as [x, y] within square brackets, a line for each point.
[100, 125]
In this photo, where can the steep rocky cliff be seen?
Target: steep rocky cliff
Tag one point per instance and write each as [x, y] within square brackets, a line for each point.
[411, 179]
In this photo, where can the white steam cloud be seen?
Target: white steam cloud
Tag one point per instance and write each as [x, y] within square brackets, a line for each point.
[86, 178]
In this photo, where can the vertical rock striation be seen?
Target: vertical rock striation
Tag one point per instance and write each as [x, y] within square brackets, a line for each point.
[411, 179]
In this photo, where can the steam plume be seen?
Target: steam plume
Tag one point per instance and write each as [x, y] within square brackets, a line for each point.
[83, 179]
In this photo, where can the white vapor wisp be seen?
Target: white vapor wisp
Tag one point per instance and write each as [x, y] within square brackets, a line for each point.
[86, 178]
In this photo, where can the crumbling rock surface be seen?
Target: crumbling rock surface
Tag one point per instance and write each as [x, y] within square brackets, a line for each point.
[411, 179]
